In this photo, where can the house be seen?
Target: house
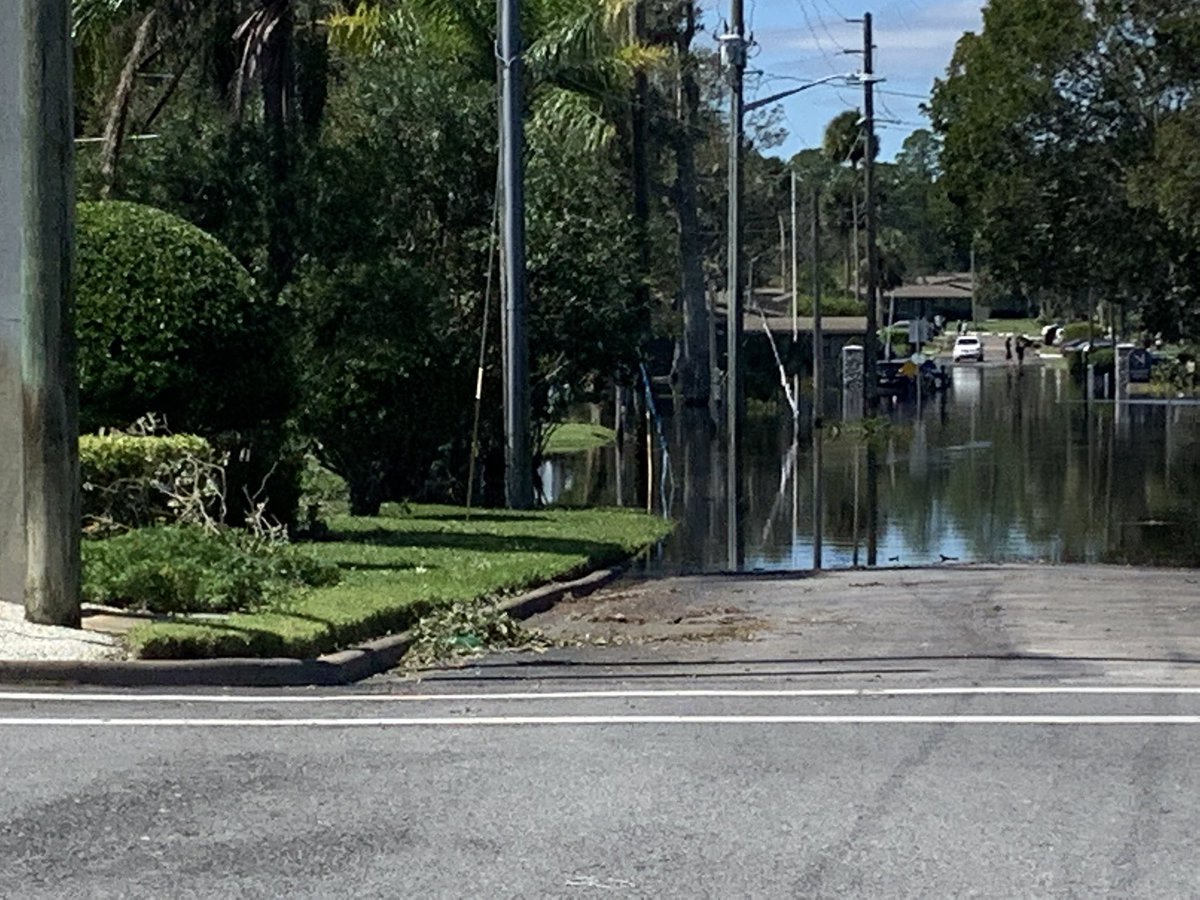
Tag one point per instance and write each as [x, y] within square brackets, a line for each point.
[947, 294]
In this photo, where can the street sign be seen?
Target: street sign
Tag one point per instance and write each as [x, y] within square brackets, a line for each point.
[1140, 363]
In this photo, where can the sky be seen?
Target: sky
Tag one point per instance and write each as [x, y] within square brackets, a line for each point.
[801, 40]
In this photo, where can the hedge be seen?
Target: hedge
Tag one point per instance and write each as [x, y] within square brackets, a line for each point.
[169, 322]
[121, 474]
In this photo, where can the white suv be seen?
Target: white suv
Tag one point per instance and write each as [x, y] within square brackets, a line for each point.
[968, 347]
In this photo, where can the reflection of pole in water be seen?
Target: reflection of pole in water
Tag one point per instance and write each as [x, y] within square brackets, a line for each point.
[694, 443]
[818, 492]
[872, 504]
[854, 520]
[649, 460]
[795, 480]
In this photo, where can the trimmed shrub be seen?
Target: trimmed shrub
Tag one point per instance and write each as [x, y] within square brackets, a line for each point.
[1078, 330]
[187, 569]
[169, 322]
[127, 480]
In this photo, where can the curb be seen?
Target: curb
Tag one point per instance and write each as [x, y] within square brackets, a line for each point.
[340, 668]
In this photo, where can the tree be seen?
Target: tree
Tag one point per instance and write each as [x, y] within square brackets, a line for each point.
[1051, 118]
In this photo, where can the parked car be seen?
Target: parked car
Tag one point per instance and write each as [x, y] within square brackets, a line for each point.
[968, 347]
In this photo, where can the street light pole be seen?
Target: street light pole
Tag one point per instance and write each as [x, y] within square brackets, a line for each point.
[733, 47]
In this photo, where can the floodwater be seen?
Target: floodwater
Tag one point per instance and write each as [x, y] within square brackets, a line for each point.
[1005, 466]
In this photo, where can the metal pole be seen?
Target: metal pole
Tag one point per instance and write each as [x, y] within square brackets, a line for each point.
[795, 268]
[734, 46]
[818, 380]
[518, 474]
[974, 315]
[870, 344]
[37, 371]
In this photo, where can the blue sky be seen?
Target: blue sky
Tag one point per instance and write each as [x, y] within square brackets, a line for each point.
[799, 40]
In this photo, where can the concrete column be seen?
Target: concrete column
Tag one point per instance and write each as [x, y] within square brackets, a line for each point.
[852, 382]
[1121, 379]
[1121, 393]
[39, 465]
[12, 491]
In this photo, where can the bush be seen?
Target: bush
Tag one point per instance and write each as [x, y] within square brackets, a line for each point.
[169, 322]
[187, 569]
[127, 479]
[1077, 362]
[1078, 330]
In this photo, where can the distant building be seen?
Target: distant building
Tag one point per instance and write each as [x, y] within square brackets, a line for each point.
[947, 294]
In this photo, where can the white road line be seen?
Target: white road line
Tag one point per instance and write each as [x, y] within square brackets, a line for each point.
[476, 721]
[750, 693]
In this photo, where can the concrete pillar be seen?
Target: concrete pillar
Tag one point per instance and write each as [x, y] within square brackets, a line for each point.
[1121, 367]
[852, 382]
[1121, 379]
[39, 465]
[12, 490]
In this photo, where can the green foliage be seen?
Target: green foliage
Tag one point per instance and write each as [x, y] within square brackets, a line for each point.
[187, 569]
[576, 437]
[1077, 184]
[587, 322]
[1075, 331]
[1104, 361]
[168, 322]
[467, 628]
[389, 305]
[320, 486]
[397, 568]
[128, 481]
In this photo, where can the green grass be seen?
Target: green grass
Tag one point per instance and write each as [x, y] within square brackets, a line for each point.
[576, 437]
[1028, 327]
[400, 566]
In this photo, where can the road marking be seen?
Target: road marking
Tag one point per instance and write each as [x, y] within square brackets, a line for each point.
[749, 693]
[490, 721]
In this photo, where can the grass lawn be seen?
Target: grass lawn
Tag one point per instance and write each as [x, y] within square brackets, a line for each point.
[399, 566]
[575, 437]
[1028, 327]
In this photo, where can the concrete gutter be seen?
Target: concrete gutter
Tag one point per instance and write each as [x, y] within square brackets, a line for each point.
[342, 667]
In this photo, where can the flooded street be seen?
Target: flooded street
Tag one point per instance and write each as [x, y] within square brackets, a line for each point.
[1004, 466]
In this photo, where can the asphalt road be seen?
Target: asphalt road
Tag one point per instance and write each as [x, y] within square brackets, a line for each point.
[746, 769]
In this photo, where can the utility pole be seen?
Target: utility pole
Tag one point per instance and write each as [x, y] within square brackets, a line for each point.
[39, 456]
[870, 343]
[733, 46]
[818, 379]
[795, 267]
[518, 463]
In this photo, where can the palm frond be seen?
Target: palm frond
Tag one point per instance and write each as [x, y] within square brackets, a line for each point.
[573, 118]
[357, 32]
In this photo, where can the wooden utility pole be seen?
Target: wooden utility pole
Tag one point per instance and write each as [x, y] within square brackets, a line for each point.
[871, 342]
[39, 469]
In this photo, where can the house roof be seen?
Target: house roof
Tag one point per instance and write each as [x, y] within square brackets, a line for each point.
[949, 285]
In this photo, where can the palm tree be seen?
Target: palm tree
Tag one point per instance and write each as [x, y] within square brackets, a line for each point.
[844, 145]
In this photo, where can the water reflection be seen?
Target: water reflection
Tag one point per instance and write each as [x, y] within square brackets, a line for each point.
[1006, 466]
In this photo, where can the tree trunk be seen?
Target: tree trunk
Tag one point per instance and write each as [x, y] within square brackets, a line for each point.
[118, 111]
[366, 492]
[278, 82]
[694, 364]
